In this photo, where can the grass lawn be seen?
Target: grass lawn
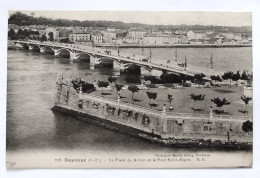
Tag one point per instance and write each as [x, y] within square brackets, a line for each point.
[181, 99]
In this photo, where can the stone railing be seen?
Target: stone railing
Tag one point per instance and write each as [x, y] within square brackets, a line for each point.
[206, 116]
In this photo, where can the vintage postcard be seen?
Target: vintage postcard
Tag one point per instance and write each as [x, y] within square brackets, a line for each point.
[129, 89]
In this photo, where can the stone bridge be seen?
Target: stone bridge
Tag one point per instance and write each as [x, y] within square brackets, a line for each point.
[100, 55]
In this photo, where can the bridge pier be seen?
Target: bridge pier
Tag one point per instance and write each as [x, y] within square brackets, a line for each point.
[155, 72]
[30, 48]
[73, 57]
[42, 49]
[56, 53]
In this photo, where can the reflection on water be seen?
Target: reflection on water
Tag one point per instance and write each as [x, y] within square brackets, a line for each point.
[31, 125]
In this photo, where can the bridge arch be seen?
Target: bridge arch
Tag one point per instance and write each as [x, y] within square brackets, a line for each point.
[84, 53]
[35, 47]
[109, 59]
[139, 65]
[49, 47]
[64, 49]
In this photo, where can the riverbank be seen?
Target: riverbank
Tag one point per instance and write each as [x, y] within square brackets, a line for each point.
[174, 45]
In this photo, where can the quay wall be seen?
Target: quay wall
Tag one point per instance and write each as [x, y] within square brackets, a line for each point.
[144, 120]
[174, 45]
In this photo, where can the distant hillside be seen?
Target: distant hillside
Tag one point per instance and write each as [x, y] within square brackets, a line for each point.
[21, 19]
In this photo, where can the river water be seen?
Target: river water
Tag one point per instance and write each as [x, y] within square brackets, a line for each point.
[33, 129]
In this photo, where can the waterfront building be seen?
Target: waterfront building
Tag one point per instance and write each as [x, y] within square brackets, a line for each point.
[79, 37]
[191, 35]
[184, 40]
[108, 36]
[229, 41]
[200, 36]
[218, 41]
[196, 41]
[129, 40]
[97, 37]
[136, 34]
[245, 41]
[228, 35]
[161, 39]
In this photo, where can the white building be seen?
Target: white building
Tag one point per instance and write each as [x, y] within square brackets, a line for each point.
[97, 37]
[79, 37]
[191, 35]
[160, 39]
[136, 33]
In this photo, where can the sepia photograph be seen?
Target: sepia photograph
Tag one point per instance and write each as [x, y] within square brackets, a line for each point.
[129, 89]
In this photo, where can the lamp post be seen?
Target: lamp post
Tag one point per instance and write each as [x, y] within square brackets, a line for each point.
[211, 113]
[142, 48]
[211, 62]
[93, 45]
[150, 55]
[185, 63]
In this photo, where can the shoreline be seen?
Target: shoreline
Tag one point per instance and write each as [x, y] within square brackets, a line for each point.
[176, 45]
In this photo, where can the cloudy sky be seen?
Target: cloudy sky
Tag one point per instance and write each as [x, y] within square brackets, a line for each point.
[155, 17]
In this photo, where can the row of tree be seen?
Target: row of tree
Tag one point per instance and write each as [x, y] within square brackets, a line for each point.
[233, 76]
[19, 18]
[195, 97]
[219, 103]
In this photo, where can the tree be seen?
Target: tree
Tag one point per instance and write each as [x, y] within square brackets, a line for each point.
[250, 79]
[198, 78]
[227, 76]
[102, 84]
[220, 103]
[151, 95]
[65, 40]
[170, 98]
[195, 98]
[118, 87]
[12, 35]
[246, 100]
[50, 34]
[112, 79]
[170, 78]
[247, 126]
[20, 32]
[87, 87]
[43, 38]
[236, 77]
[216, 78]
[244, 76]
[133, 89]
